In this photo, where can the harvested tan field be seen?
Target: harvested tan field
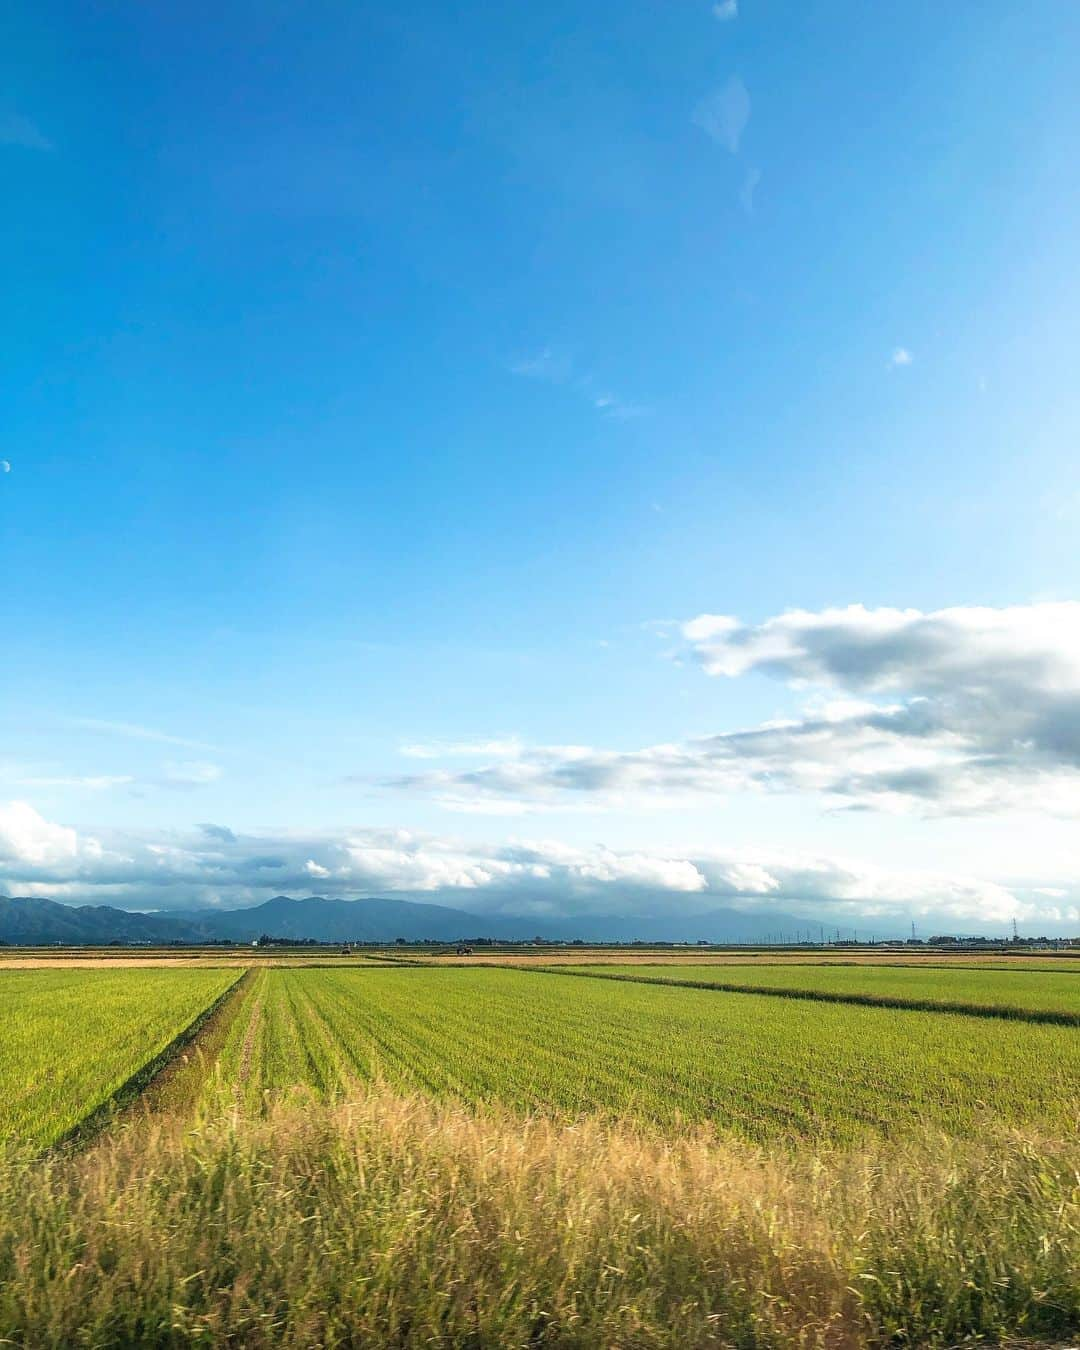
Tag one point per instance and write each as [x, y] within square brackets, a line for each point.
[231, 961]
[113, 962]
[605, 957]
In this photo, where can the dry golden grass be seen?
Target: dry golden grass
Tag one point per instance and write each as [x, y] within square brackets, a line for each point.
[395, 1221]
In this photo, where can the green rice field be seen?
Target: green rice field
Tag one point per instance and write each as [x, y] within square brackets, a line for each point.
[760, 1067]
[566, 1044]
[561, 1043]
[1018, 990]
[70, 1039]
[404, 1153]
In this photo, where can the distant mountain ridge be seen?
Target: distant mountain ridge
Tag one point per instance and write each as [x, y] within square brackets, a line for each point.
[32, 921]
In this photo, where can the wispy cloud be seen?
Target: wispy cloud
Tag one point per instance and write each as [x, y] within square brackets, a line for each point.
[506, 747]
[557, 367]
[546, 364]
[172, 774]
[133, 731]
[724, 113]
[16, 130]
[611, 405]
[189, 774]
[900, 357]
[726, 10]
[749, 187]
[87, 782]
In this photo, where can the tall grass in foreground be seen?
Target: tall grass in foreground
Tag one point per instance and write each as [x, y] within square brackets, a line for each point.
[398, 1221]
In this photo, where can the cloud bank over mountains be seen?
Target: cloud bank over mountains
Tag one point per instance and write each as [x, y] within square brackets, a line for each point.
[960, 711]
[212, 865]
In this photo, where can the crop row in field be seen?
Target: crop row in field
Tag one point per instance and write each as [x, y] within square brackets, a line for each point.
[759, 1066]
[69, 1040]
[1053, 994]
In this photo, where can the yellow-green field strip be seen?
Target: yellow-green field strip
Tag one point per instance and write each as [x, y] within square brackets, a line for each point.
[74, 1045]
[1052, 998]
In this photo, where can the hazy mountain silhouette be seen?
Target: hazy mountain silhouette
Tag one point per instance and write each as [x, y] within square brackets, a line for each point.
[31, 921]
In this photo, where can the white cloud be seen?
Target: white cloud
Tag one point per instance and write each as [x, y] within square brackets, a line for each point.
[5, 466]
[724, 113]
[19, 131]
[27, 838]
[961, 711]
[726, 10]
[1018, 649]
[984, 707]
[216, 866]
[900, 357]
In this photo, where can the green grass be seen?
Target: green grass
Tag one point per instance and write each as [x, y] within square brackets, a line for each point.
[69, 1040]
[761, 1067]
[1024, 992]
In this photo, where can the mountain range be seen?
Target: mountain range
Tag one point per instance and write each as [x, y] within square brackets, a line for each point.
[31, 921]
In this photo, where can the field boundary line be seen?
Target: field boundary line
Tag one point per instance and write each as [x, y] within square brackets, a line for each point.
[1001, 1012]
[157, 1098]
[86, 1130]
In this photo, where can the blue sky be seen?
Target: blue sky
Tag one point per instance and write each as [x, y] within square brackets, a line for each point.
[379, 379]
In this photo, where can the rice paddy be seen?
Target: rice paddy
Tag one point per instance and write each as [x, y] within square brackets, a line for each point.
[1021, 991]
[419, 1154]
[756, 1066]
[69, 1040]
